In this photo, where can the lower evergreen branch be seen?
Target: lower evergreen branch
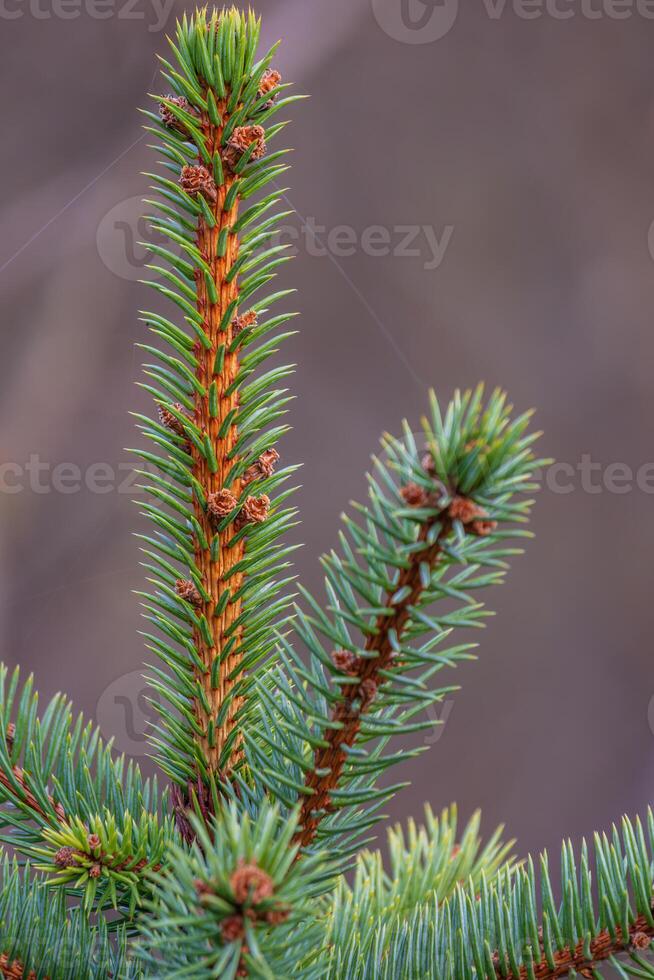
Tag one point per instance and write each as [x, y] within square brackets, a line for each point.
[234, 904]
[85, 819]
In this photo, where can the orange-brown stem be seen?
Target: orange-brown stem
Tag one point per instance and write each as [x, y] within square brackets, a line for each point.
[216, 573]
[358, 696]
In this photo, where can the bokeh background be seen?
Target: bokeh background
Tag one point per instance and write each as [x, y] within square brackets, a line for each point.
[517, 152]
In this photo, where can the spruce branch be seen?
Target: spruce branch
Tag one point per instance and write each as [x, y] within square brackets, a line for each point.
[217, 501]
[430, 535]
[76, 810]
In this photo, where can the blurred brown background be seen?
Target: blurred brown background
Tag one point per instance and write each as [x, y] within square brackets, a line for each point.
[517, 153]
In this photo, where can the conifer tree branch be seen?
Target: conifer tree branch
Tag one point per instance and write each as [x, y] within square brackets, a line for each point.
[359, 696]
[214, 555]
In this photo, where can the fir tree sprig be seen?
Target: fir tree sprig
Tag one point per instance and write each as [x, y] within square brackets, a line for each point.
[237, 903]
[430, 536]
[83, 816]
[217, 503]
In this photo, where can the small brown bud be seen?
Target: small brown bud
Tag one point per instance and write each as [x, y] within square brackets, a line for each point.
[250, 884]
[93, 841]
[269, 80]
[10, 735]
[640, 940]
[220, 504]
[232, 928]
[267, 461]
[242, 322]
[483, 528]
[169, 118]
[187, 590]
[275, 917]
[347, 662]
[428, 464]
[171, 421]
[65, 857]
[255, 509]
[198, 180]
[367, 692]
[413, 495]
[465, 510]
[240, 140]
[202, 887]
[95, 871]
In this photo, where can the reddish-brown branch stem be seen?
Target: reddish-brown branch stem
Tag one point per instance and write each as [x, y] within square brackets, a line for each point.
[330, 760]
[216, 573]
[601, 949]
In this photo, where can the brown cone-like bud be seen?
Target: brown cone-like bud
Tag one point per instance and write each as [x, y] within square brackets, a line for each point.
[95, 871]
[267, 461]
[169, 118]
[93, 841]
[239, 142]
[171, 421]
[255, 509]
[250, 884]
[640, 940]
[269, 80]
[187, 590]
[465, 510]
[367, 692]
[65, 857]
[220, 504]
[10, 735]
[483, 528]
[198, 180]
[428, 464]
[347, 662]
[232, 928]
[413, 495]
[243, 321]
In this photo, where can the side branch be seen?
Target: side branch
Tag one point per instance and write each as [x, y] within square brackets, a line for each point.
[603, 947]
[360, 694]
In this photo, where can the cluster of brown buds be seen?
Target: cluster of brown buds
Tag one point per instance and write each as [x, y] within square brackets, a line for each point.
[169, 118]
[188, 591]
[269, 81]
[240, 141]
[414, 495]
[196, 179]
[253, 893]
[262, 467]
[14, 969]
[473, 517]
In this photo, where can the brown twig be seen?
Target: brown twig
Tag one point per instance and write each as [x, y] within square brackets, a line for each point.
[216, 571]
[329, 761]
[602, 948]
